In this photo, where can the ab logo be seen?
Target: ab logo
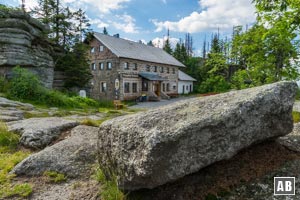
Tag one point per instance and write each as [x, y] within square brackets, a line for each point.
[284, 185]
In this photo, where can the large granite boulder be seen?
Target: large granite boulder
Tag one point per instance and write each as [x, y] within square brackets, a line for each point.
[39, 132]
[149, 149]
[72, 156]
[22, 43]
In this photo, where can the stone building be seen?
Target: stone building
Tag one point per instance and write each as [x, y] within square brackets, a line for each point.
[126, 70]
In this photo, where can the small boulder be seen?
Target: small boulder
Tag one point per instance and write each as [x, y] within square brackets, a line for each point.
[72, 157]
[39, 132]
[149, 149]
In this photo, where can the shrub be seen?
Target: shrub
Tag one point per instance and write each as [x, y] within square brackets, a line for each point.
[24, 85]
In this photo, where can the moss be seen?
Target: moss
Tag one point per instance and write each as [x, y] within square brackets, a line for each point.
[54, 177]
[296, 116]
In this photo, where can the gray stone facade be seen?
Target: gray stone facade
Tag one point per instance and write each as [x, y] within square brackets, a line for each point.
[127, 78]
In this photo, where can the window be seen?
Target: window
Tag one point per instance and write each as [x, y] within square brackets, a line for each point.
[147, 68]
[126, 65]
[134, 66]
[101, 66]
[168, 87]
[161, 69]
[126, 87]
[168, 70]
[173, 70]
[103, 87]
[109, 65]
[155, 68]
[164, 87]
[93, 50]
[101, 48]
[187, 87]
[93, 66]
[144, 86]
[174, 87]
[134, 87]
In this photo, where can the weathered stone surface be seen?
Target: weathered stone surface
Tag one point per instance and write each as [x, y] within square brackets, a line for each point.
[14, 104]
[149, 149]
[22, 43]
[72, 156]
[292, 140]
[40, 132]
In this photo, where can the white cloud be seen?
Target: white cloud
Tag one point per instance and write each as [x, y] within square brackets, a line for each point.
[105, 6]
[164, 1]
[128, 25]
[98, 23]
[214, 14]
[159, 42]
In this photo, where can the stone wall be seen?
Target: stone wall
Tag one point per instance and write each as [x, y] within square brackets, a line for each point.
[22, 43]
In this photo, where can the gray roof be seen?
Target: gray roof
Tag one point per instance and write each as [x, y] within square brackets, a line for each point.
[184, 77]
[129, 49]
[151, 76]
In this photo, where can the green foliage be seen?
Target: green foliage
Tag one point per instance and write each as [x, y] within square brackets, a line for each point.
[167, 47]
[109, 188]
[8, 159]
[296, 116]
[211, 197]
[214, 84]
[75, 65]
[54, 177]
[8, 140]
[24, 85]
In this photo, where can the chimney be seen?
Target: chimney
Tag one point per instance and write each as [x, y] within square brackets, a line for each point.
[117, 35]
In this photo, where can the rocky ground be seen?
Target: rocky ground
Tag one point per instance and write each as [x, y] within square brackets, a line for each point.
[246, 176]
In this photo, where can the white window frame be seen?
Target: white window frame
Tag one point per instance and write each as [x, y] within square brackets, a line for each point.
[93, 66]
[101, 48]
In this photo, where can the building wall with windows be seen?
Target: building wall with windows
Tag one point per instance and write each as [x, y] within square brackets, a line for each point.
[126, 71]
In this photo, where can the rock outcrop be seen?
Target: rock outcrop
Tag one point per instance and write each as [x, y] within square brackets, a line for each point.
[39, 132]
[13, 110]
[22, 43]
[149, 149]
[72, 156]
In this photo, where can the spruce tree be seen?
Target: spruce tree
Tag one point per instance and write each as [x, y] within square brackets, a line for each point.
[167, 47]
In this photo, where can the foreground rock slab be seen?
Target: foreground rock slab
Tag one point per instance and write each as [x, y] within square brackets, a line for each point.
[72, 156]
[40, 132]
[152, 148]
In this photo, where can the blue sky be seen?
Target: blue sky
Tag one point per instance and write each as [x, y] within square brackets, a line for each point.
[149, 19]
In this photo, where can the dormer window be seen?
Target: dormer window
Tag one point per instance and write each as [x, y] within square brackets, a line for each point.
[101, 48]
[93, 50]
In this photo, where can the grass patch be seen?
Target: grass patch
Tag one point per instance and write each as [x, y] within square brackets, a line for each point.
[91, 122]
[9, 157]
[54, 177]
[296, 116]
[8, 140]
[109, 188]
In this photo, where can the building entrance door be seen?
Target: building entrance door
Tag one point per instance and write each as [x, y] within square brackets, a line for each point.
[156, 88]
